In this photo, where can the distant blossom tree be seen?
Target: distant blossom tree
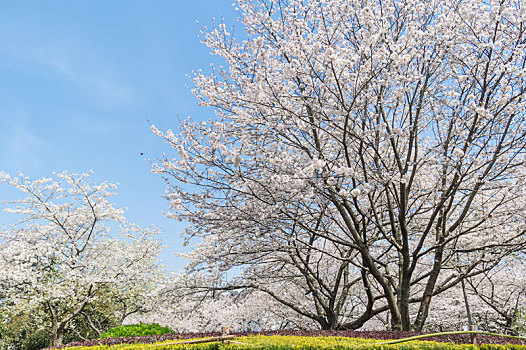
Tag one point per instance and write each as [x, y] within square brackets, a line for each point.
[500, 297]
[186, 303]
[496, 298]
[369, 153]
[69, 247]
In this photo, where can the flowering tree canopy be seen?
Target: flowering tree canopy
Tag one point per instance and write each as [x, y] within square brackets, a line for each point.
[501, 294]
[186, 304]
[369, 153]
[66, 250]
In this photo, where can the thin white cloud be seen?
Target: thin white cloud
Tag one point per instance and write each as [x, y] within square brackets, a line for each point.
[22, 147]
[107, 92]
[95, 125]
[91, 74]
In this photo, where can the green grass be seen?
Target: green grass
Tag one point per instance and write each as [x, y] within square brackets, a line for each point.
[134, 330]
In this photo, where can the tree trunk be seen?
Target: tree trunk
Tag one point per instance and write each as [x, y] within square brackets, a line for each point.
[57, 332]
[404, 293]
[428, 292]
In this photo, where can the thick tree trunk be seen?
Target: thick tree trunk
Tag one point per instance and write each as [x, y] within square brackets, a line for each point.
[328, 323]
[57, 333]
[404, 294]
[423, 311]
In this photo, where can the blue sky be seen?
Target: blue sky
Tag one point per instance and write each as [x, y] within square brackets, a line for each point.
[78, 80]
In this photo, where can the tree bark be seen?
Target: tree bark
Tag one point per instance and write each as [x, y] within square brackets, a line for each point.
[57, 333]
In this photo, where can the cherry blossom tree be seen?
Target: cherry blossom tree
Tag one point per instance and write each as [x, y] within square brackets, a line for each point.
[501, 297]
[497, 300]
[186, 305]
[370, 153]
[69, 247]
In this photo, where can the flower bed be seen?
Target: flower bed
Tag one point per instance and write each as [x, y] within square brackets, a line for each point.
[380, 335]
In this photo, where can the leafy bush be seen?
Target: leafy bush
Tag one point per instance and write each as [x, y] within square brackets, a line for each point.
[134, 330]
[22, 331]
[35, 341]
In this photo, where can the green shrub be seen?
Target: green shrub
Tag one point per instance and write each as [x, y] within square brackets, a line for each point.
[23, 331]
[133, 330]
[35, 341]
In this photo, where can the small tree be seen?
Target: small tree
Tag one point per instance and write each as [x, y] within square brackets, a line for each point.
[69, 246]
